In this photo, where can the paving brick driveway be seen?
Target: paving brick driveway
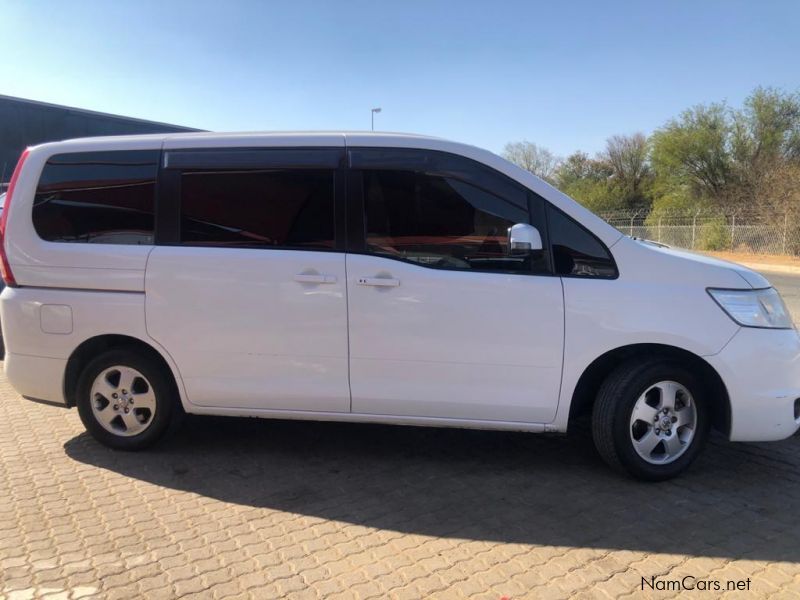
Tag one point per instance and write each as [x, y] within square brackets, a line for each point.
[249, 508]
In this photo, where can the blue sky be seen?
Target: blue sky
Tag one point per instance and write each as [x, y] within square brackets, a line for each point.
[565, 75]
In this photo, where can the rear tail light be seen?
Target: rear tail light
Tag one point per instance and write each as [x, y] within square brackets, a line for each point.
[5, 268]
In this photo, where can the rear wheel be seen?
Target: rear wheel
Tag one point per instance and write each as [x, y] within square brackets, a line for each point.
[126, 400]
[650, 418]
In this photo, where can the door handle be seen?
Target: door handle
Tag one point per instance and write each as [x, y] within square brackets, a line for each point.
[379, 281]
[314, 278]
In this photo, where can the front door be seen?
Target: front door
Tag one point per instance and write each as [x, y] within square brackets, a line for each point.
[250, 298]
[444, 321]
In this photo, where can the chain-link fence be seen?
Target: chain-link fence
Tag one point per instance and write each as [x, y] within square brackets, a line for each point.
[749, 232]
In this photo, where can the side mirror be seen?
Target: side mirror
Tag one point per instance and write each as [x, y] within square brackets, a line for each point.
[523, 239]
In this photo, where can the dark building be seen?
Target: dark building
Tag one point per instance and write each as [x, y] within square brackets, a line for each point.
[26, 123]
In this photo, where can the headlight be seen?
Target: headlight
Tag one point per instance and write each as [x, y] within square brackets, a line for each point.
[754, 308]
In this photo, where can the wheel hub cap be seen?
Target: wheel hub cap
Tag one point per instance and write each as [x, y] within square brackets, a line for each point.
[123, 401]
[663, 422]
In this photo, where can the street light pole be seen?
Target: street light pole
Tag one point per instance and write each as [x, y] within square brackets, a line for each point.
[372, 115]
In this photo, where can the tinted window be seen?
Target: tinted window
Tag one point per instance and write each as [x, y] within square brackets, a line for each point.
[577, 252]
[441, 222]
[258, 208]
[440, 163]
[98, 197]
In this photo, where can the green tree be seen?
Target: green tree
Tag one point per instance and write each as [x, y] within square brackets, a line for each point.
[629, 162]
[691, 154]
[597, 196]
[617, 178]
[578, 166]
[731, 159]
[536, 159]
[709, 157]
[765, 147]
[587, 181]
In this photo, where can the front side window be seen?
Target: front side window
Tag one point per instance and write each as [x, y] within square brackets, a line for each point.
[576, 252]
[441, 222]
[97, 197]
[268, 208]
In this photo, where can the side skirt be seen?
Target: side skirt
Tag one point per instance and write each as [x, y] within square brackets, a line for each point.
[370, 418]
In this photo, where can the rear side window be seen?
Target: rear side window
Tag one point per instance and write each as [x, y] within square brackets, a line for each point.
[97, 197]
[576, 252]
[441, 222]
[269, 208]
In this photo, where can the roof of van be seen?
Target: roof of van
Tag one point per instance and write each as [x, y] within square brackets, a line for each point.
[206, 135]
[306, 133]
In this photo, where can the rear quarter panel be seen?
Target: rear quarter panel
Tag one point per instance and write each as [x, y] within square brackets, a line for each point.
[31, 316]
[36, 262]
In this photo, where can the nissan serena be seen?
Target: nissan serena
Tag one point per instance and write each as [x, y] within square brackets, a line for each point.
[372, 278]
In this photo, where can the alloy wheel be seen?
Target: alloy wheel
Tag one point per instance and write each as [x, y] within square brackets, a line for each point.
[123, 401]
[663, 422]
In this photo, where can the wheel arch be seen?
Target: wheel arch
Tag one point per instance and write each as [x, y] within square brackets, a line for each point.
[585, 392]
[93, 346]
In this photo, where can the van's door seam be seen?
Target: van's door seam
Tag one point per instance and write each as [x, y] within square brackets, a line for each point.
[346, 206]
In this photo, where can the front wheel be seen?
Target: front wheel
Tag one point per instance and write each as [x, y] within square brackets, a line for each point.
[125, 399]
[650, 418]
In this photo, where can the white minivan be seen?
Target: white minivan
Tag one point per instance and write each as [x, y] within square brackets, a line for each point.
[372, 278]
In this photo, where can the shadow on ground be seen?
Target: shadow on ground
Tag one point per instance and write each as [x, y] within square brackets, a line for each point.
[738, 501]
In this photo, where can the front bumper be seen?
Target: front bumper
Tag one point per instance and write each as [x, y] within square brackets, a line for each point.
[761, 371]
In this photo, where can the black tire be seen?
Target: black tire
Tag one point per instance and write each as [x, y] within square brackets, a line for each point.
[167, 405]
[613, 408]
